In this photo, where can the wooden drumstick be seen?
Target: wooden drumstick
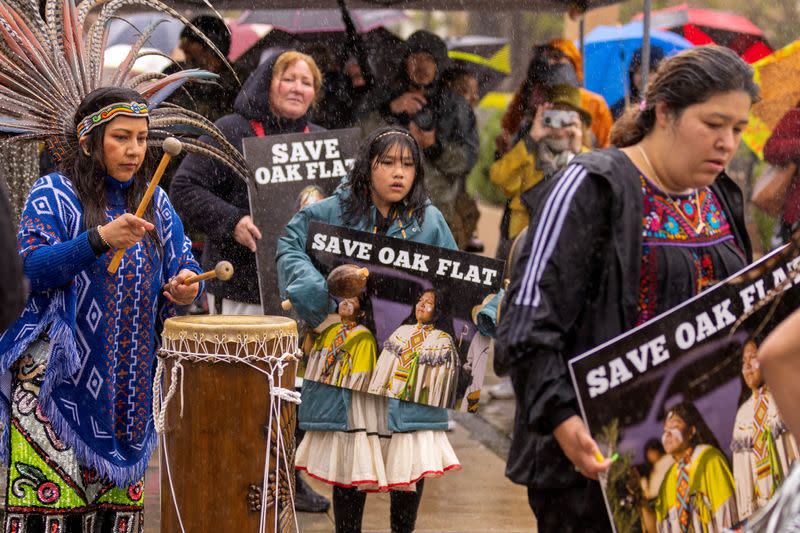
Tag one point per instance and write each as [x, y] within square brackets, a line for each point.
[172, 147]
[223, 271]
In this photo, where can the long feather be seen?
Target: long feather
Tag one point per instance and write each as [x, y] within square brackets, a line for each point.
[124, 68]
[194, 146]
[49, 64]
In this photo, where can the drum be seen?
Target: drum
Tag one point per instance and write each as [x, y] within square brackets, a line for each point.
[225, 407]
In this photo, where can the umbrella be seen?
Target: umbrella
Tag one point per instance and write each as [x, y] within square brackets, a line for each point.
[778, 76]
[243, 37]
[123, 32]
[487, 58]
[322, 20]
[710, 26]
[384, 49]
[608, 52]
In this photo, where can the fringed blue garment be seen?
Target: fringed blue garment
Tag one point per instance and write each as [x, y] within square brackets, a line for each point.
[103, 329]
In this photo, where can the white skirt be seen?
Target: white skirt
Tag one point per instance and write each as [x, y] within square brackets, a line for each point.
[369, 456]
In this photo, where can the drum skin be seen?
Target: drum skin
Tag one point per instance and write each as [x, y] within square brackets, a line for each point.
[216, 450]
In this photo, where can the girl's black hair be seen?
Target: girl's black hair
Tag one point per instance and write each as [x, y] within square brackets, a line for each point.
[689, 414]
[88, 172]
[356, 206]
[366, 316]
[441, 317]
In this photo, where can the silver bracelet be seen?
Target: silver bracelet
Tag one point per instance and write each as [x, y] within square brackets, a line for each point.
[99, 232]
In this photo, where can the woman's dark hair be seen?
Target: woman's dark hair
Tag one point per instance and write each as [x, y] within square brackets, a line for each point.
[88, 172]
[655, 445]
[357, 204]
[441, 318]
[689, 78]
[367, 318]
[689, 414]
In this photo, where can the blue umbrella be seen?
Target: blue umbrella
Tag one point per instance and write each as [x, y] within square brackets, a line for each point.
[608, 52]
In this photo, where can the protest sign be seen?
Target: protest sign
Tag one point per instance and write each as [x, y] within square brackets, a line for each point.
[410, 334]
[689, 379]
[290, 171]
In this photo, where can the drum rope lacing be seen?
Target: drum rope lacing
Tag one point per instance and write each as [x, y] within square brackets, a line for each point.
[248, 350]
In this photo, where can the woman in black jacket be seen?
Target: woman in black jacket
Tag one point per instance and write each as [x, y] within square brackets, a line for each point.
[275, 99]
[621, 236]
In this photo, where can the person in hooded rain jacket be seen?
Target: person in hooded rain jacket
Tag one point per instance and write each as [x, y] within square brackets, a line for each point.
[441, 121]
[274, 100]
[355, 441]
[559, 52]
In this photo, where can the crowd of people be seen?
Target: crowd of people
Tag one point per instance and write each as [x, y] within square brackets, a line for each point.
[604, 228]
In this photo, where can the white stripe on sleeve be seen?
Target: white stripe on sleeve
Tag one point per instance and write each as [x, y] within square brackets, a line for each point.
[548, 232]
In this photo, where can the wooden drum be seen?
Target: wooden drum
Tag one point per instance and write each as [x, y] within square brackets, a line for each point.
[213, 405]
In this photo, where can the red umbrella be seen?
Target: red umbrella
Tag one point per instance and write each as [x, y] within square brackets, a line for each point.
[709, 26]
[243, 37]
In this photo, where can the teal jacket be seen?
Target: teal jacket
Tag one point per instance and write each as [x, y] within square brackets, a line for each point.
[325, 408]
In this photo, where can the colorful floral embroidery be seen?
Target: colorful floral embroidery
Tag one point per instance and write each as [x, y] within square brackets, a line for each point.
[668, 223]
[673, 222]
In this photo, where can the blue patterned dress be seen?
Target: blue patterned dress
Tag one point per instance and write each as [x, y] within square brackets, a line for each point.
[81, 357]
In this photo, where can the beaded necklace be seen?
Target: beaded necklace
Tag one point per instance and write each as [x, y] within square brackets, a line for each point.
[676, 204]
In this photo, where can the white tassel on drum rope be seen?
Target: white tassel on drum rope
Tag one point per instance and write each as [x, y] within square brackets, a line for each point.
[279, 394]
[160, 404]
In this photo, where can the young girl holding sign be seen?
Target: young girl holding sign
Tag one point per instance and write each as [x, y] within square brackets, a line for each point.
[355, 441]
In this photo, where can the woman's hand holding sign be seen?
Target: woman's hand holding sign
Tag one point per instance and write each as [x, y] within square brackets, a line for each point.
[580, 448]
[246, 233]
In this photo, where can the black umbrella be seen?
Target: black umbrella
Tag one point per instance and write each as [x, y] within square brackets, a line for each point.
[383, 48]
[323, 20]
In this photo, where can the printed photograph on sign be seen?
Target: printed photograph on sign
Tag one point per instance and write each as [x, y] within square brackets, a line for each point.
[681, 401]
[406, 320]
[289, 172]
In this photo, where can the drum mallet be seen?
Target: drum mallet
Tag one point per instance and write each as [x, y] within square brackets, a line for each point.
[223, 272]
[172, 147]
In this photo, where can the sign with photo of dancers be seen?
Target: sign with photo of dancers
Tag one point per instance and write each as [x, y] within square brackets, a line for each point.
[289, 172]
[406, 321]
[682, 402]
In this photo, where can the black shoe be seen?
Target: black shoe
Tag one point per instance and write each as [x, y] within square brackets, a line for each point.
[306, 500]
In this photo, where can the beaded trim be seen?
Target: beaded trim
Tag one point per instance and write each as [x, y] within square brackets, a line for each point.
[110, 112]
[393, 132]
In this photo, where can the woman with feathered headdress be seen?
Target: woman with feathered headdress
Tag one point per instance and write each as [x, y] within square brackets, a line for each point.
[78, 425]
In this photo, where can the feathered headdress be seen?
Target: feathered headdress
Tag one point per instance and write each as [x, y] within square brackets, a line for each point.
[48, 65]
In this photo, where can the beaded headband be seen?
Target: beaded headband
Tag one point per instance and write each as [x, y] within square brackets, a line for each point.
[110, 112]
[393, 132]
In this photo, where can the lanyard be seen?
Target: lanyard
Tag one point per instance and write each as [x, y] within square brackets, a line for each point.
[395, 216]
[258, 128]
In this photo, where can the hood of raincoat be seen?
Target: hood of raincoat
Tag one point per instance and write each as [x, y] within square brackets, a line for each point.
[253, 103]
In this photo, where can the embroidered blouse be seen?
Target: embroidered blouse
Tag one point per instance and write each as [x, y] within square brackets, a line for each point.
[683, 251]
